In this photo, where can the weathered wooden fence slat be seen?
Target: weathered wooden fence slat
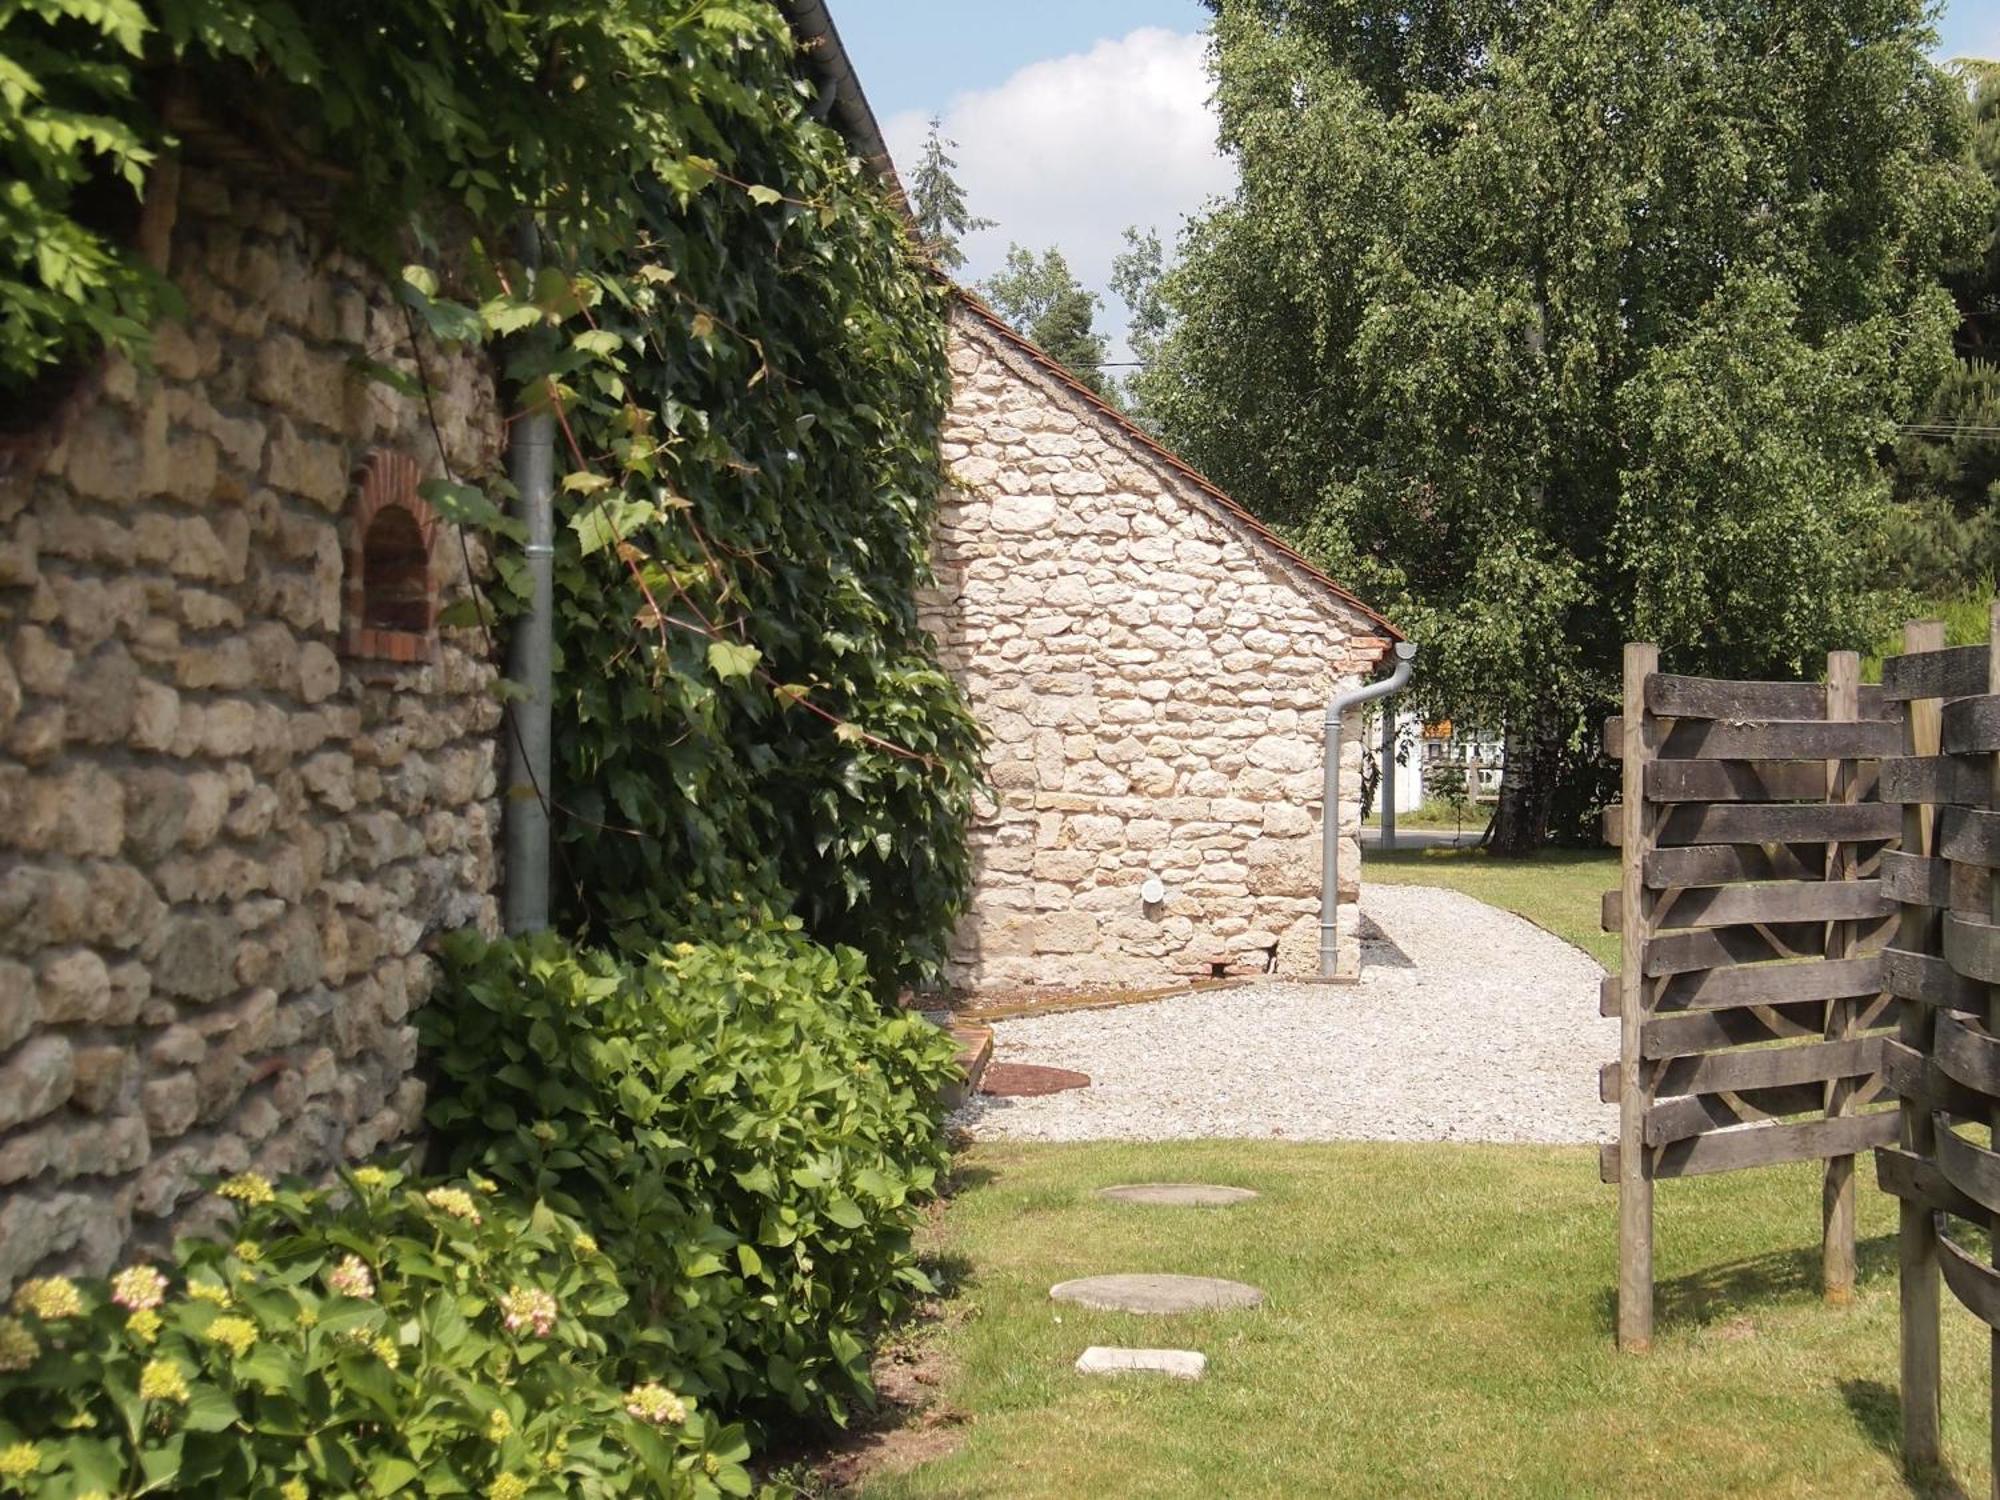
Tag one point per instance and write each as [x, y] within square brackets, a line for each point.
[1679, 1117]
[1780, 823]
[1970, 726]
[1726, 864]
[1915, 880]
[1713, 1030]
[1930, 778]
[1969, 836]
[1760, 1146]
[1913, 1177]
[1735, 780]
[1967, 1053]
[1953, 672]
[1766, 901]
[1929, 981]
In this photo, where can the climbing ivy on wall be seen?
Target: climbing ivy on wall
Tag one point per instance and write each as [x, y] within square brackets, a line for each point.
[748, 367]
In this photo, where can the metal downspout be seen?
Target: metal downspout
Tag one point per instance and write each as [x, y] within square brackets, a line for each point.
[1329, 839]
[531, 465]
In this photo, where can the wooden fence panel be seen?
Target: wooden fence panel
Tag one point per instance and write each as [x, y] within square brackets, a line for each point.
[1753, 910]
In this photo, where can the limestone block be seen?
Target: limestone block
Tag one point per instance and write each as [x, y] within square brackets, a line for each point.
[74, 986]
[20, 1009]
[102, 1075]
[1066, 932]
[35, 1078]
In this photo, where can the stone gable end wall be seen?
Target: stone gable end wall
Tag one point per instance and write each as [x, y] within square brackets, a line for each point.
[222, 843]
[1152, 680]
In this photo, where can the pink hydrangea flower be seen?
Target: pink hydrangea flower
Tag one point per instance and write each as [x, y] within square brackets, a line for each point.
[524, 1307]
[137, 1288]
[352, 1278]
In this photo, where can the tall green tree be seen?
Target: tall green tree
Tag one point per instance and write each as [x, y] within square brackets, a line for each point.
[1042, 298]
[1551, 323]
[939, 202]
[1946, 537]
[1136, 274]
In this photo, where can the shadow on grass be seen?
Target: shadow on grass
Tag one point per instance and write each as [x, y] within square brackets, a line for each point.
[1879, 1414]
[1715, 1292]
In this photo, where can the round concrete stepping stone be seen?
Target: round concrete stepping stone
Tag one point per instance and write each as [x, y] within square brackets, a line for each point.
[1151, 1292]
[1180, 1364]
[1177, 1194]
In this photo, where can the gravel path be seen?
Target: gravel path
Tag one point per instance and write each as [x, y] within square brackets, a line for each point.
[1469, 1024]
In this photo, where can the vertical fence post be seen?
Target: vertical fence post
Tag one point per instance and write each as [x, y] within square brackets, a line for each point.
[1635, 1187]
[1916, 1229]
[1843, 705]
[1993, 1026]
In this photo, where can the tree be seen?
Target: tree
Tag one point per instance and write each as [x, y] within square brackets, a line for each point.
[1136, 274]
[1044, 301]
[1946, 532]
[939, 202]
[1551, 323]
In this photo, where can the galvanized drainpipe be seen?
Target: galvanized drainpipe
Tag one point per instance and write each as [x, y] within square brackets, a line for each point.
[1329, 839]
[531, 453]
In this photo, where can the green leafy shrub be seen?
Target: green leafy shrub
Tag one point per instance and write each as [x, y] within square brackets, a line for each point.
[411, 1339]
[746, 1128]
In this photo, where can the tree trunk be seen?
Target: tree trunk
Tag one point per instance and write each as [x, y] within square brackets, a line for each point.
[1528, 784]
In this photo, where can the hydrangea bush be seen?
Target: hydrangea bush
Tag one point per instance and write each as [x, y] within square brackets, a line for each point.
[748, 1130]
[388, 1339]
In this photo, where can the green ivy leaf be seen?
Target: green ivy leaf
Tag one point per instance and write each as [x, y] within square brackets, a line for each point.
[733, 662]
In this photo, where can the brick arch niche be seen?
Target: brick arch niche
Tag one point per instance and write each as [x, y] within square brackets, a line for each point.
[390, 596]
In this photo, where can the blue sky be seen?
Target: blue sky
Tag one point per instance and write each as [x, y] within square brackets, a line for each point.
[1075, 118]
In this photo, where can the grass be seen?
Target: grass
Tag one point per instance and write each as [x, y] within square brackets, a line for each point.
[1438, 1323]
[1434, 814]
[1558, 888]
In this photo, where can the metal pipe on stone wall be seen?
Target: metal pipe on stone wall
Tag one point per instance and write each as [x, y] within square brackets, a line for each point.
[1329, 839]
[531, 453]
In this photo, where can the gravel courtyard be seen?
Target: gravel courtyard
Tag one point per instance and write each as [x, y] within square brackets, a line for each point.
[1469, 1024]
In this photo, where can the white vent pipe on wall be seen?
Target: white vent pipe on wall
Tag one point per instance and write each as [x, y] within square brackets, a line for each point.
[1329, 839]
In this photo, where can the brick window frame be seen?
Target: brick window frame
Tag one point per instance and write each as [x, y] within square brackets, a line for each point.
[389, 596]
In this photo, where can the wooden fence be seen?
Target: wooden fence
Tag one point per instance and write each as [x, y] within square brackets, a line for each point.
[1753, 913]
[1944, 970]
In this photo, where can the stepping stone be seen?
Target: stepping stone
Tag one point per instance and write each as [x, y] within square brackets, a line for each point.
[1156, 1293]
[1181, 1364]
[1177, 1194]
[1030, 1080]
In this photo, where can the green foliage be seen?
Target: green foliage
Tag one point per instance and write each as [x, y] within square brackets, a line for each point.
[751, 372]
[400, 1338]
[1552, 323]
[939, 202]
[1946, 462]
[68, 153]
[1043, 299]
[747, 1131]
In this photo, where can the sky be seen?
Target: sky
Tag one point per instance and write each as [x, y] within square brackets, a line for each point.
[1075, 118]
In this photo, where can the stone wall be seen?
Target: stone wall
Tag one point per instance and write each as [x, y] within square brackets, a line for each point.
[222, 844]
[1152, 676]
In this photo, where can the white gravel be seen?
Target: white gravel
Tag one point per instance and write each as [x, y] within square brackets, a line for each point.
[1469, 1024]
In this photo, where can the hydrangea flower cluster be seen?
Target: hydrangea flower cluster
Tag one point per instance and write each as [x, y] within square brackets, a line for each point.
[162, 1380]
[656, 1404]
[352, 1278]
[49, 1298]
[454, 1201]
[235, 1334]
[138, 1288]
[19, 1460]
[18, 1349]
[528, 1307]
[248, 1187]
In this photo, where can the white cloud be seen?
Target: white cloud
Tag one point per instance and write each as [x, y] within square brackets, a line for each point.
[1069, 151]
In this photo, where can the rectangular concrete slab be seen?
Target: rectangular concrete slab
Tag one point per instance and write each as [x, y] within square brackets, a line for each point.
[1181, 1364]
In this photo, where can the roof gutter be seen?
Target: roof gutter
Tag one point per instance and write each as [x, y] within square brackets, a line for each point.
[840, 98]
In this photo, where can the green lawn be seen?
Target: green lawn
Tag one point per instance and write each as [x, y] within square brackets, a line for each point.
[1438, 1323]
[1558, 888]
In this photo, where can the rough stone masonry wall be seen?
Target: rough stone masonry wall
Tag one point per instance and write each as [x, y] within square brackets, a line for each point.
[221, 844]
[1152, 680]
